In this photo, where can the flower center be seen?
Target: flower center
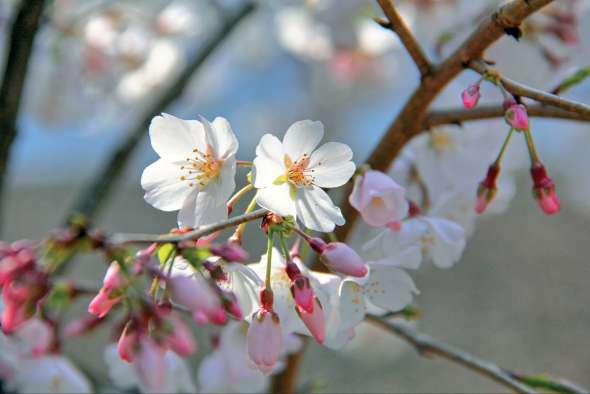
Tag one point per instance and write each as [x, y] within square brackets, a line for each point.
[201, 168]
[297, 172]
[440, 141]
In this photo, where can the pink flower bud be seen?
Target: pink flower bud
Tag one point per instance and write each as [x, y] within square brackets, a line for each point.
[128, 342]
[487, 188]
[314, 321]
[113, 278]
[195, 294]
[470, 96]
[264, 339]
[302, 293]
[230, 251]
[179, 339]
[342, 258]
[151, 365]
[517, 117]
[14, 316]
[378, 198]
[544, 189]
[102, 303]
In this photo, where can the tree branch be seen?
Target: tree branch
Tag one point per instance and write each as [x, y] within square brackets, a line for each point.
[459, 115]
[426, 346]
[520, 89]
[120, 239]
[20, 46]
[409, 122]
[398, 25]
[94, 195]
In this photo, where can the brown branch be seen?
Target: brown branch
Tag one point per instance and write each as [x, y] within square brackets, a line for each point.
[22, 36]
[119, 239]
[459, 115]
[427, 346]
[409, 122]
[98, 189]
[284, 381]
[398, 25]
[520, 89]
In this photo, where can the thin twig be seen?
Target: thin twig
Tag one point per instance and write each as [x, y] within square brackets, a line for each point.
[398, 25]
[459, 115]
[20, 44]
[520, 89]
[426, 345]
[119, 239]
[94, 195]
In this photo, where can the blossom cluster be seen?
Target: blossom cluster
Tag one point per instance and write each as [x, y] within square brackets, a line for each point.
[258, 310]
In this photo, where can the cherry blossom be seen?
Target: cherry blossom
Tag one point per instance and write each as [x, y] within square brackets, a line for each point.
[289, 175]
[174, 373]
[196, 169]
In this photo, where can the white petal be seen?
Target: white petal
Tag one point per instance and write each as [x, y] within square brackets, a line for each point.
[277, 199]
[389, 288]
[174, 139]
[268, 164]
[448, 241]
[302, 138]
[221, 137]
[163, 188]
[316, 210]
[331, 164]
[204, 208]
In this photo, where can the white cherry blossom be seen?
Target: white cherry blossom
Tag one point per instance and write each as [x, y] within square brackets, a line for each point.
[126, 376]
[290, 175]
[227, 368]
[196, 169]
[49, 374]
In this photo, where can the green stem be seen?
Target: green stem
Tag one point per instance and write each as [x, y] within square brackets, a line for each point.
[284, 246]
[504, 146]
[244, 163]
[240, 229]
[241, 193]
[156, 281]
[269, 260]
[530, 143]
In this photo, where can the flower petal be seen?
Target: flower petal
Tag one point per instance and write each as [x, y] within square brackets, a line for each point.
[331, 164]
[268, 164]
[277, 199]
[389, 288]
[221, 137]
[173, 138]
[204, 208]
[316, 210]
[163, 188]
[302, 137]
[448, 241]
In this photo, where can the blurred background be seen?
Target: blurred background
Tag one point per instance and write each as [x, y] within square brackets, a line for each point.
[519, 296]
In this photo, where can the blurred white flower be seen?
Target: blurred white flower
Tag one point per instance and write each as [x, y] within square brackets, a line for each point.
[301, 34]
[49, 374]
[124, 375]
[227, 368]
[196, 169]
[289, 175]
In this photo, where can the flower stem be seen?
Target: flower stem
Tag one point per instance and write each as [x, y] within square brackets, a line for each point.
[504, 146]
[244, 163]
[284, 246]
[237, 237]
[241, 193]
[156, 281]
[530, 143]
[269, 260]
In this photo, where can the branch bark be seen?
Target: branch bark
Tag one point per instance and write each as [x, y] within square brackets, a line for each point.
[93, 196]
[120, 239]
[426, 345]
[20, 44]
[520, 89]
[460, 115]
[398, 25]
